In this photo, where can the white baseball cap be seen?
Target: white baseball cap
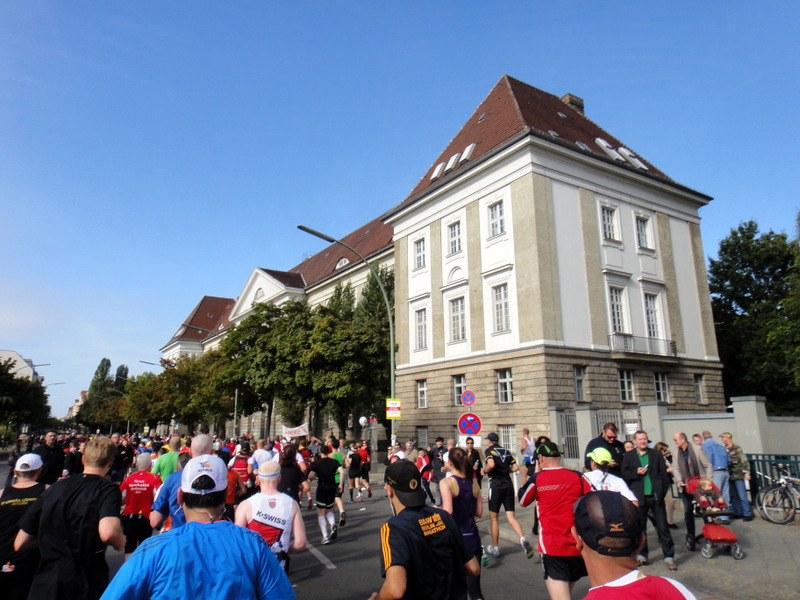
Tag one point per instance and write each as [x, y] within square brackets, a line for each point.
[205, 464]
[28, 462]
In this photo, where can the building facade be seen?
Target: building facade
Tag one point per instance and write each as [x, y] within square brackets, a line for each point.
[541, 264]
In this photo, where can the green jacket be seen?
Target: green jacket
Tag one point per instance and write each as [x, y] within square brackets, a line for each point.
[739, 464]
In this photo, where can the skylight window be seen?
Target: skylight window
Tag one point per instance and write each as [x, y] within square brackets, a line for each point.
[632, 158]
[583, 146]
[437, 172]
[465, 156]
[608, 149]
[553, 133]
[562, 115]
[343, 262]
[452, 162]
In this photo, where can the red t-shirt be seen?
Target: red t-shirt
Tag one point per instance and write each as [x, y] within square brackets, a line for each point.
[139, 489]
[233, 486]
[362, 452]
[556, 491]
[636, 586]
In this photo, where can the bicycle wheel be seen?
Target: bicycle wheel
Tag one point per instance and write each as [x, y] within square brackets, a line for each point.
[778, 505]
[759, 501]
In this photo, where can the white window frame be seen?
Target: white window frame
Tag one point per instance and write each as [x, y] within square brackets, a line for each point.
[698, 389]
[508, 436]
[651, 315]
[454, 238]
[501, 308]
[458, 319]
[617, 307]
[626, 389]
[459, 387]
[644, 233]
[579, 377]
[422, 393]
[661, 387]
[505, 386]
[609, 223]
[421, 329]
[419, 254]
[496, 218]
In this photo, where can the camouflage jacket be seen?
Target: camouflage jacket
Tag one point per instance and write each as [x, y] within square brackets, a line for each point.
[739, 463]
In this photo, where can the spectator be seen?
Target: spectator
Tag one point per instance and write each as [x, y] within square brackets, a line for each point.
[719, 463]
[646, 473]
[608, 440]
[739, 473]
[689, 461]
[52, 456]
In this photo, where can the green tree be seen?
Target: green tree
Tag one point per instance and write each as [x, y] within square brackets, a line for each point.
[22, 401]
[752, 294]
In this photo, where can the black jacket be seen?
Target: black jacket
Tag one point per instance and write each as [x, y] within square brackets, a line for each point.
[657, 470]
[616, 448]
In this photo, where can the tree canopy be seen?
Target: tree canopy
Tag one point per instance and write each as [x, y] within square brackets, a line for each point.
[22, 401]
[755, 298]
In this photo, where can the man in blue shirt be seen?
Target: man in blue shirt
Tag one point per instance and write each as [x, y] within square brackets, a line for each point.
[719, 463]
[185, 563]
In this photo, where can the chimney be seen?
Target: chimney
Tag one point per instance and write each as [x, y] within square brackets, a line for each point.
[573, 101]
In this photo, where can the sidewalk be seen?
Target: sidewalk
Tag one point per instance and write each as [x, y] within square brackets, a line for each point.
[769, 569]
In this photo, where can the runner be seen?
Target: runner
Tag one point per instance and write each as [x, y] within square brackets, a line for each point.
[326, 470]
[354, 473]
[138, 491]
[337, 456]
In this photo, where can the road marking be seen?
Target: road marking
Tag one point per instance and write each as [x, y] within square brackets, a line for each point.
[320, 556]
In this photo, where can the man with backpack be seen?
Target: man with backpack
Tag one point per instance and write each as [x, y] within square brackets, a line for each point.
[500, 464]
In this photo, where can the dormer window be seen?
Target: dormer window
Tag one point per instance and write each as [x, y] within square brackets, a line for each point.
[343, 262]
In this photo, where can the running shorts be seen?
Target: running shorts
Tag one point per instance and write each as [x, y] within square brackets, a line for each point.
[563, 568]
[501, 496]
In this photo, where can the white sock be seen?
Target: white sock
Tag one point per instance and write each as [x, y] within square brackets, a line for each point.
[331, 520]
[323, 526]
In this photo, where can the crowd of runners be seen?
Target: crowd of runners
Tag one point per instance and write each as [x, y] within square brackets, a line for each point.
[67, 499]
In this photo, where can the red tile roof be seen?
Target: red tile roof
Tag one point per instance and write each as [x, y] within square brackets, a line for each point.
[210, 315]
[514, 110]
[370, 239]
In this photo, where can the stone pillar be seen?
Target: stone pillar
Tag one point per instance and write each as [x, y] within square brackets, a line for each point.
[750, 416]
[652, 414]
[586, 422]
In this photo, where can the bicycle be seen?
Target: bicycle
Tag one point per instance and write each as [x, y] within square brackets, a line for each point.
[779, 501]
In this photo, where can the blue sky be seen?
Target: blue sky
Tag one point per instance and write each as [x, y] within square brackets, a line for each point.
[155, 152]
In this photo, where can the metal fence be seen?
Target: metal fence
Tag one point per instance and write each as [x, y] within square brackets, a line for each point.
[569, 434]
[625, 419]
[764, 469]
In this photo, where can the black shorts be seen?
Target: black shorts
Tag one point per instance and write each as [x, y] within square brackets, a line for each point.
[563, 568]
[136, 529]
[326, 496]
[501, 496]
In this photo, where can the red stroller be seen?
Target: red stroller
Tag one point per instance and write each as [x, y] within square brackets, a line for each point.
[711, 506]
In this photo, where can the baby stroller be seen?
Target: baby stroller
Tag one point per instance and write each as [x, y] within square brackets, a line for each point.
[712, 506]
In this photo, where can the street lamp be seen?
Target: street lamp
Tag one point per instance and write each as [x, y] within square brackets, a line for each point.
[333, 240]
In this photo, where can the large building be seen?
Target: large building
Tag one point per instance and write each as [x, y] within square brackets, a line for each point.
[539, 263]
[544, 266]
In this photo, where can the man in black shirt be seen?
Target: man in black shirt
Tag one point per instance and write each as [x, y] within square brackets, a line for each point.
[52, 457]
[73, 521]
[422, 551]
[608, 440]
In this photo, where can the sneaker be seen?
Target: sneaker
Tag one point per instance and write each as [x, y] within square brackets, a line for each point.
[360, 498]
[494, 551]
[641, 561]
[526, 547]
[342, 519]
[748, 518]
[310, 504]
[334, 532]
[485, 558]
[671, 564]
[673, 525]
[369, 492]
[351, 500]
[326, 540]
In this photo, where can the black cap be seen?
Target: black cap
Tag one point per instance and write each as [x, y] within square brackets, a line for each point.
[492, 437]
[609, 523]
[404, 478]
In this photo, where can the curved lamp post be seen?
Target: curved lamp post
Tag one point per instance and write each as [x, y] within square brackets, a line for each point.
[333, 240]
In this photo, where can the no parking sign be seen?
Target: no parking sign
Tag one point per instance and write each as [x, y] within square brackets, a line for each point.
[469, 424]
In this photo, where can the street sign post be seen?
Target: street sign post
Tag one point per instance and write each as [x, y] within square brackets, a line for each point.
[392, 408]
